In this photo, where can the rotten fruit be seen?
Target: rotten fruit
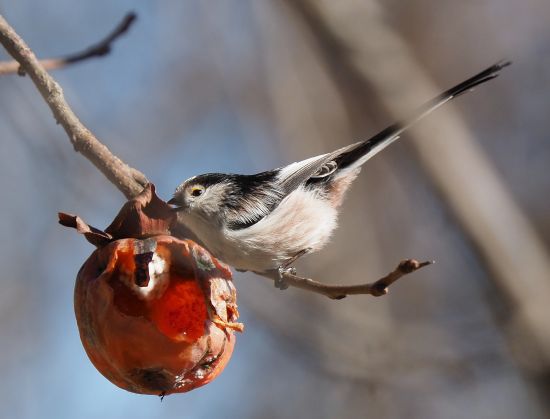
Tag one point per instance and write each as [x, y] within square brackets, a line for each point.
[156, 314]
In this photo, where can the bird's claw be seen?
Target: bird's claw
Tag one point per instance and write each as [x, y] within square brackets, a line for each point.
[280, 282]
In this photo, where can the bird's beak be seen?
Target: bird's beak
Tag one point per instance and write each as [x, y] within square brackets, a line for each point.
[176, 204]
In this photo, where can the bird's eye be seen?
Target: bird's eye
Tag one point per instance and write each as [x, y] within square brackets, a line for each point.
[197, 190]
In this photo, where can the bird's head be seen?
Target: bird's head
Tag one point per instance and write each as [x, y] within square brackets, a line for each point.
[202, 196]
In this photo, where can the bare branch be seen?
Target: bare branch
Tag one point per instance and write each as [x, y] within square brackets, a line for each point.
[127, 179]
[337, 292]
[99, 49]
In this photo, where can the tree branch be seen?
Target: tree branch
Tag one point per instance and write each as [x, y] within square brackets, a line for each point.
[99, 49]
[337, 292]
[127, 179]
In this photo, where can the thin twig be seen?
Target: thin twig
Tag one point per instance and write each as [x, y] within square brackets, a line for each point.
[127, 179]
[99, 49]
[336, 292]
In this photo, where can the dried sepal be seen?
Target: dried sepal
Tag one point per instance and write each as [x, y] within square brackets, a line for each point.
[94, 235]
[145, 215]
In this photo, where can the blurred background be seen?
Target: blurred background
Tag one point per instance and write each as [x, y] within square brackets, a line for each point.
[244, 86]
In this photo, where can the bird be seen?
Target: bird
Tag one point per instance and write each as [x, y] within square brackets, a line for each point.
[264, 222]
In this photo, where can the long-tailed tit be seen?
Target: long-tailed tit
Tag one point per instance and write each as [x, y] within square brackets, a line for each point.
[263, 222]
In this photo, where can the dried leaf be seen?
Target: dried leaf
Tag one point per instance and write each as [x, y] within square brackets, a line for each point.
[94, 235]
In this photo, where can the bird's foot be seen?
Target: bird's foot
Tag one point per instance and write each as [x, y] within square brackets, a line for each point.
[280, 282]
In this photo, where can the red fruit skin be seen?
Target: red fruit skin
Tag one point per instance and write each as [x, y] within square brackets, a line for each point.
[162, 332]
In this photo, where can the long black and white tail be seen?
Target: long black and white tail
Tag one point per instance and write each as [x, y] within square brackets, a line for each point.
[357, 154]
